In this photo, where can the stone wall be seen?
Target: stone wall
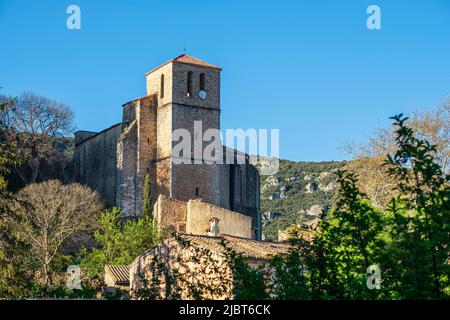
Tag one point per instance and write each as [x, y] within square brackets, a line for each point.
[245, 194]
[95, 162]
[144, 146]
[195, 267]
[232, 223]
[153, 83]
[162, 163]
[199, 263]
[168, 212]
[212, 86]
[211, 183]
[194, 216]
[136, 152]
[126, 169]
[164, 150]
[82, 135]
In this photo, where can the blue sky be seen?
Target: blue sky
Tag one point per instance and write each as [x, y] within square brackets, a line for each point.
[310, 68]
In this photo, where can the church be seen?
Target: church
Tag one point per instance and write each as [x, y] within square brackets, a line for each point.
[198, 198]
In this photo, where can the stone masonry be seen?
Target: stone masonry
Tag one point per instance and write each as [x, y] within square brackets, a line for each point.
[116, 161]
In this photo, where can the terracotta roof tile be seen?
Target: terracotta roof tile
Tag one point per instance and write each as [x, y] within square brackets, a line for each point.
[119, 273]
[184, 58]
[249, 248]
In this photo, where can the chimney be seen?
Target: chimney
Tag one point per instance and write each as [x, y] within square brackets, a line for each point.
[214, 230]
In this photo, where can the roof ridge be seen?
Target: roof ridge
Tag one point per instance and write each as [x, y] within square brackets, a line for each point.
[187, 59]
[181, 55]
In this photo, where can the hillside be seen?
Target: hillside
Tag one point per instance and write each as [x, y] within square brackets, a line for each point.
[297, 194]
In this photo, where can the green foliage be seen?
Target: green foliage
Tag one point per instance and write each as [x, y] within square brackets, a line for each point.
[349, 242]
[147, 207]
[409, 242]
[419, 219]
[8, 151]
[14, 282]
[248, 282]
[290, 281]
[119, 242]
[62, 292]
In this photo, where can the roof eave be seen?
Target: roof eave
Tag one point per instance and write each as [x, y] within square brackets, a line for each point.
[182, 62]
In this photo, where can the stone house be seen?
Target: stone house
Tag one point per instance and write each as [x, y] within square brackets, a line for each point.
[200, 262]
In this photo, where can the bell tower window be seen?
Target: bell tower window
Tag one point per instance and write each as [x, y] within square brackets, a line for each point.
[202, 81]
[162, 86]
[189, 84]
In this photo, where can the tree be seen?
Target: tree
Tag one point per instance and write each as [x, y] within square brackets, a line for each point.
[36, 125]
[409, 242]
[369, 159]
[348, 243]
[290, 281]
[248, 281]
[419, 217]
[119, 242]
[49, 213]
[8, 151]
[13, 279]
[147, 208]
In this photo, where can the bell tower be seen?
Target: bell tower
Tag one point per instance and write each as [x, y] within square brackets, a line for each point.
[187, 90]
[186, 80]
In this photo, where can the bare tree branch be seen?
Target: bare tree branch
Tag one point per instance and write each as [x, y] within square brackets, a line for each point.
[50, 213]
[34, 124]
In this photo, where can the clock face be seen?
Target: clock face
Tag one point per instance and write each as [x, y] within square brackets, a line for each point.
[202, 94]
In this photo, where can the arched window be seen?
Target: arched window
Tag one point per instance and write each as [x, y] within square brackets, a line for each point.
[202, 81]
[189, 84]
[162, 86]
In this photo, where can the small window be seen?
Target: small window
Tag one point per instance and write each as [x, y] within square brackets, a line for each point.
[162, 86]
[197, 192]
[202, 81]
[189, 84]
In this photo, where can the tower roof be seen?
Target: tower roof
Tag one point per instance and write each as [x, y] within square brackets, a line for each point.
[184, 58]
[187, 59]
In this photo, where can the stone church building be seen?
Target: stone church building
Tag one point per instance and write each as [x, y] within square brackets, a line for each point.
[203, 198]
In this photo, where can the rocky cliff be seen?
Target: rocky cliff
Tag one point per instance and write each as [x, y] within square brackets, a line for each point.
[297, 194]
